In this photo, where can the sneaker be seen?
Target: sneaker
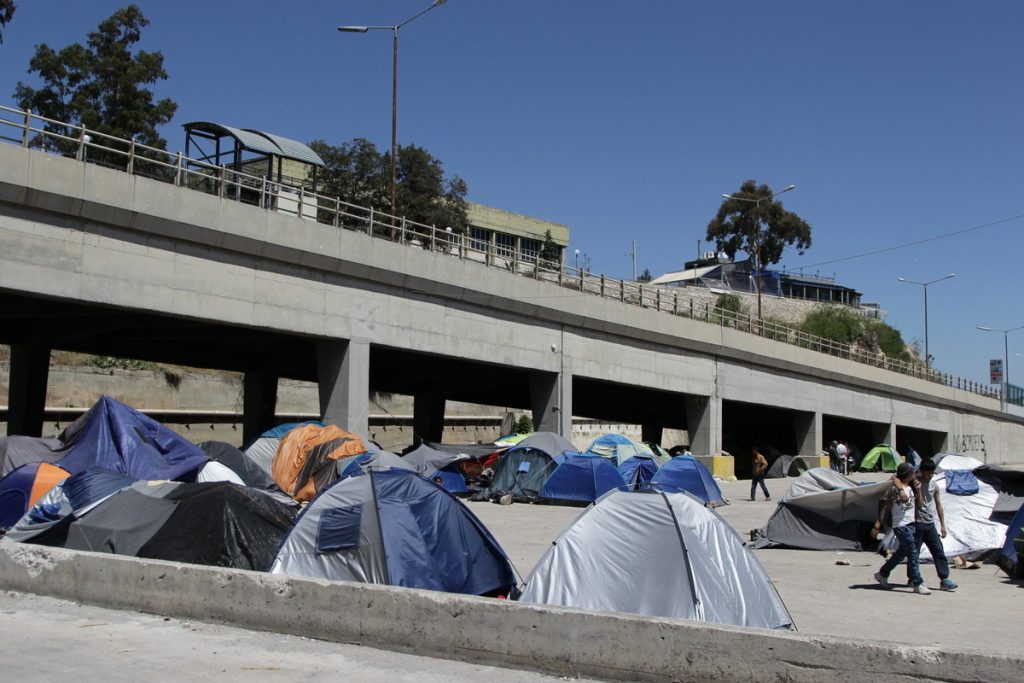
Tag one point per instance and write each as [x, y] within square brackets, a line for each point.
[947, 585]
[922, 589]
[882, 580]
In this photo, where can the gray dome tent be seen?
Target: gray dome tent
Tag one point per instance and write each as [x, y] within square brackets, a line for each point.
[694, 565]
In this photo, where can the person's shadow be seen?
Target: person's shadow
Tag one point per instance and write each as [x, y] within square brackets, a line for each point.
[878, 587]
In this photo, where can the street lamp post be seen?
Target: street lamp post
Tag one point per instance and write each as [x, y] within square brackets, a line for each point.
[394, 88]
[924, 285]
[577, 261]
[1006, 355]
[757, 235]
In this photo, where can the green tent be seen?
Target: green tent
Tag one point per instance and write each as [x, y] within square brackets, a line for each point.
[881, 457]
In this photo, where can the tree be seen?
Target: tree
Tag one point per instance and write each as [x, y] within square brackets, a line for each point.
[645, 276]
[758, 225]
[355, 172]
[550, 253]
[842, 325]
[7, 8]
[101, 85]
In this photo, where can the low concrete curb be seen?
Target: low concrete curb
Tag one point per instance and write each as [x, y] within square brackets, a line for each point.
[561, 641]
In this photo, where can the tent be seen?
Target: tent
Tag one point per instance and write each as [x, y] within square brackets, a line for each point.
[435, 464]
[396, 528]
[823, 510]
[22, 488]
[786, 466]
[305, 459]
[618, 448]
[263, 449]
[882, 457]
[17, 450]
[638, 471]
[686, 473]
[580, 480]
[694, 565]
[523, 469]
[1011, 556]
[358, 465]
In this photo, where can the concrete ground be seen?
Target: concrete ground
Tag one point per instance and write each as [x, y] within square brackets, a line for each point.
[824, 598]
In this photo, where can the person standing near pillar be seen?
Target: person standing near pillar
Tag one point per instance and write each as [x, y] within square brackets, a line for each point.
[758, 466]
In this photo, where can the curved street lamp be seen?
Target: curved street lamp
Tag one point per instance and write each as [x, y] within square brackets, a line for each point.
[757, 236]
[1006, 355]
[394, 87]
[927, 358]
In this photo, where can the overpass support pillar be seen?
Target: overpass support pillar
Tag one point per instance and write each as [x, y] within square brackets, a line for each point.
[551, 402]
[428, 418]
[883, 433]
[26, 391]
[809, 433]
[259, 402]
[343, 378]
[704, 424]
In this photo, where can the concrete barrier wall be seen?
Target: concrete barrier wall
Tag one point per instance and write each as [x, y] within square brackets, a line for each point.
[561, 641]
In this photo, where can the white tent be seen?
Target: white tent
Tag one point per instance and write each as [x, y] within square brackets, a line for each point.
[658, 554]
[969, 529]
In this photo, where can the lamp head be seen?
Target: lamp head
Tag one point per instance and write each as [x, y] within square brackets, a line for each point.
[353, 29]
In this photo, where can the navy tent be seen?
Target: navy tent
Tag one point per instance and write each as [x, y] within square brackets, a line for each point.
[638, 471]
[439, 466]
[396, 528]
[1011, 557]
[114, 437]
[684, 473]
[580, 479]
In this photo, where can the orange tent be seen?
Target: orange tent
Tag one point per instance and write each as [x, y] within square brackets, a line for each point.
[305, 458]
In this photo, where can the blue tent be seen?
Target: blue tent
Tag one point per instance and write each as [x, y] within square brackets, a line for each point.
[580, 479]
[359, 465]
[116, 438]
[618, 448]
[523, 469]
[440, 465]
[638, 471]
[684, 473]
[1010, 556]
[396, 528]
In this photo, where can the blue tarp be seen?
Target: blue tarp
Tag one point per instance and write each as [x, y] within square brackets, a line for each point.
[961, 482]
[116, 438]
[581, 479]
[684, 473]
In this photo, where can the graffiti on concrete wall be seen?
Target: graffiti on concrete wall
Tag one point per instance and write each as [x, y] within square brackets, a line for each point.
[968, 443]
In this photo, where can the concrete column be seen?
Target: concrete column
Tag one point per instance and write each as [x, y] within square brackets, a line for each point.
[940, 442]
[428, 418]
[343, 377]
[883, 433]
[551, 402]
[26, 391]
[809, 433]
[259, 402]
[704, 424]
[651, 432]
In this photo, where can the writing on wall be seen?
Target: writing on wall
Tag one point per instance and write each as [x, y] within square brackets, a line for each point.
[968, 443]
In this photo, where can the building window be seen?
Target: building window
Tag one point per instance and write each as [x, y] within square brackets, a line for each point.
[479, 238]
[505, 245]
[531, 249]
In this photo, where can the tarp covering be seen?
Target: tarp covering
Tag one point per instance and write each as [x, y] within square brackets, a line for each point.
[1009, 558]
[23, 487]
[117, 438]
[17, 450]
[694, 565]
[686, 473]
[786, 466]
[411, 533]
[823, 510]
[882, 457]
[247, 470]
[304, 463]
[580, 480]
[121, 524]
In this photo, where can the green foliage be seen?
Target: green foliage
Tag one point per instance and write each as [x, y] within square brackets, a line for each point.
[100, 85]
[728, 309]
[842, 325]
[7, 8]
[550, 253]
[358, 173]
[524, 425]
[645, 276]
[761, 229]
[110, 362]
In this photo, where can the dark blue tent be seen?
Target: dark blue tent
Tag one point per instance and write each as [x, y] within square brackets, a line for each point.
[684, 473]
[116, 438]
[440, 466]
[1010, 556]
[522, 471]
[580, 479]
[638, 471]
[396, 528]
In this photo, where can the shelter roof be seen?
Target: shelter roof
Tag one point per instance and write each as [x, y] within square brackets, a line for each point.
[259, 141]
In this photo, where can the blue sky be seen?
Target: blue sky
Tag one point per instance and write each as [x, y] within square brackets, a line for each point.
[898, 122]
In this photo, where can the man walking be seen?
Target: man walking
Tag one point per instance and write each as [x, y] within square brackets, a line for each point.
[928, 514]
[904, 496]
[758, 466]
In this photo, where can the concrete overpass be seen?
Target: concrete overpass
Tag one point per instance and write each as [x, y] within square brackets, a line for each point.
[97, 260]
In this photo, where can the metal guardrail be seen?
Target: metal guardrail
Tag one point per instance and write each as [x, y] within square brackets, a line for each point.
[31, 130]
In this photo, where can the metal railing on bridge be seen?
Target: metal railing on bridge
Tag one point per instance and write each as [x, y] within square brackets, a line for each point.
[31, 130]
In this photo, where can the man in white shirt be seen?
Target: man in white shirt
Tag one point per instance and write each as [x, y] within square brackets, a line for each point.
[904, 495]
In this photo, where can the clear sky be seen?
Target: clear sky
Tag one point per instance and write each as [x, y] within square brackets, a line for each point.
[899, 123]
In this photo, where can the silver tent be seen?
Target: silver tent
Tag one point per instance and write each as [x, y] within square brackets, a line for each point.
[657, 553]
